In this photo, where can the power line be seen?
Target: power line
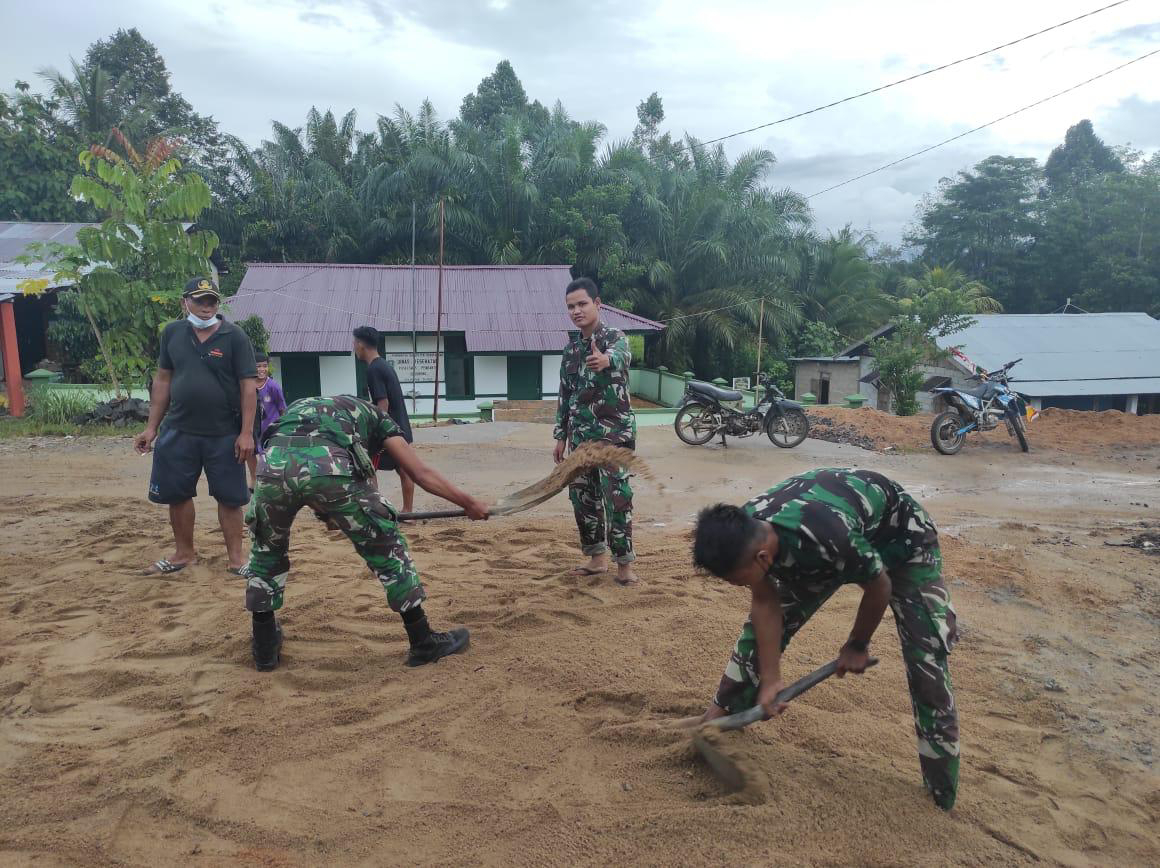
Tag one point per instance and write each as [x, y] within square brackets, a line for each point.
[1012, 114]
[707, 312]
[917, 74]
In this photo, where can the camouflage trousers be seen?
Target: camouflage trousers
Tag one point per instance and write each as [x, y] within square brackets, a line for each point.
[926, 629]
[359, 511]
[602, 501]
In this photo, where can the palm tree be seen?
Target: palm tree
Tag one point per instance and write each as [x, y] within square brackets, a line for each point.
[293, 201]
[89, 100]
[712, 241]
[838, 284]
[419, 164]
[972, 295]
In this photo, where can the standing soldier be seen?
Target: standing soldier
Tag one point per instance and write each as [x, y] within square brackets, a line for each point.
[318, 454]
[594, 406]
[793, 547]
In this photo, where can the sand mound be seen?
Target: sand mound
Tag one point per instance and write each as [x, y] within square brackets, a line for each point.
[134, 730]
[1075, 431]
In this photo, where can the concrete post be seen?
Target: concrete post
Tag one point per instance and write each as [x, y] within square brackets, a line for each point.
[1134, 404]
[10, 352]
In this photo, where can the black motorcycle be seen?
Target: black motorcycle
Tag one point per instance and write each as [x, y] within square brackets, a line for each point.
[704, 414]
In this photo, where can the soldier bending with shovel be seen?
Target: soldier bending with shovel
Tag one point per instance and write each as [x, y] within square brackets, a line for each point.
[318, 454]
[793, 547]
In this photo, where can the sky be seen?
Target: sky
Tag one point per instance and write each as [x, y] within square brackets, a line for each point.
[719, 67]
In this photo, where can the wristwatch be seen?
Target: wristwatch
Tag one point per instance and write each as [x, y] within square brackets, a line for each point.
[859, 645]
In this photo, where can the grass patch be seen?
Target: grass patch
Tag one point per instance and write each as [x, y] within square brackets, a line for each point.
[58, 406]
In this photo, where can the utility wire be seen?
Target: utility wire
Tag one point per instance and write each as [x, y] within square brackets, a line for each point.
[707, 312]
[917, 74]
[1012, 114]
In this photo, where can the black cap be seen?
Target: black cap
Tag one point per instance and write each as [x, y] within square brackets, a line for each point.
[199, 287]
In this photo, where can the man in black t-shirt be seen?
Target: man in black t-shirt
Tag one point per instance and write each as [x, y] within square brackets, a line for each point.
[205, 390]
[385, 393]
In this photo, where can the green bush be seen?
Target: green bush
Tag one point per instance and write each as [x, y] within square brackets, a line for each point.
[53, 406]
[257, 332]
[636, 346]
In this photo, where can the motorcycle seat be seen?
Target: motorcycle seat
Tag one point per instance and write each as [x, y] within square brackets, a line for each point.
[981, 392]
[708, 389]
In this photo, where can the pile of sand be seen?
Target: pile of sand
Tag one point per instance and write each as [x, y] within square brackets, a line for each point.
[1062, 430]
[135, 731]
[868, 428]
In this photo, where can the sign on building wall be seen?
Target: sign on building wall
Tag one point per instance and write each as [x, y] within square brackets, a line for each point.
[423, 366]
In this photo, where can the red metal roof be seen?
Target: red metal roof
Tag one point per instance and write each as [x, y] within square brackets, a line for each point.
[311, 308]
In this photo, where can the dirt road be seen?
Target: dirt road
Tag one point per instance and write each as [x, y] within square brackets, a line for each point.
[134, 730]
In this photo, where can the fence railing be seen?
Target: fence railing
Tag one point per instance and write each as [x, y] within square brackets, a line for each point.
[662, 386]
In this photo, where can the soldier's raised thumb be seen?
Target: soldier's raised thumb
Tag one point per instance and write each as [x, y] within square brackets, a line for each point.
[594, 350]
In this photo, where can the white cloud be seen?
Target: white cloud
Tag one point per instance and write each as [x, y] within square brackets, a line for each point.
[720, 67]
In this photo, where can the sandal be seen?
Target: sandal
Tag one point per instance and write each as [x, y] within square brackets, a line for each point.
[164, 567]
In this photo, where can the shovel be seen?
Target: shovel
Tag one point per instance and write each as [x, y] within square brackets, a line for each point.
[511, 504]
[718, 760]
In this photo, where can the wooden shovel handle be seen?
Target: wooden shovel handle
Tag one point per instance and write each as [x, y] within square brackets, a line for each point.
[423, 516]
[742, 719]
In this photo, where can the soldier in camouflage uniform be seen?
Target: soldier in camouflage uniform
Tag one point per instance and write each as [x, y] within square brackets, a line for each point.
[318, 455]
[794, 546]
[594, 405]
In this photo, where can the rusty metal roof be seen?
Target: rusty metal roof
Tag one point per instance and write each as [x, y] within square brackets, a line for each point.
[312, 308]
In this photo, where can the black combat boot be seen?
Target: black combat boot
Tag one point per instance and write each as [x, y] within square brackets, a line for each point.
[267, 641]
[428, 646]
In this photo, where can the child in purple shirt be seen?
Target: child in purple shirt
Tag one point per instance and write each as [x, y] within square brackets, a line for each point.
[271, 405]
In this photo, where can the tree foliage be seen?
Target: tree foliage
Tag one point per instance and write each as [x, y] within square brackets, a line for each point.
[669, 228]
[1085, 227]
[37, 159]
[257, 332]
[128, 271]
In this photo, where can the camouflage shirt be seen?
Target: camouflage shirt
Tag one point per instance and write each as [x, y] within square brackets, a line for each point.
[847, 524]
[595, 405]
[334, 423]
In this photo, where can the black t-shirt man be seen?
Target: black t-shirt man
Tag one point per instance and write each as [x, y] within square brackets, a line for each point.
[201, 412]
[204, 390]
[383, 382]
[383, 385]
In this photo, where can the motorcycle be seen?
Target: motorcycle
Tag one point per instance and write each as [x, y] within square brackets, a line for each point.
[980, 409]
[704, 414]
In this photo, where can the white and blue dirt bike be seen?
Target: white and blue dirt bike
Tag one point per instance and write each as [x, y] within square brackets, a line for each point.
[980, 409]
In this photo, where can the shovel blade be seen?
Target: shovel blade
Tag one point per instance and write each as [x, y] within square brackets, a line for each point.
[719, 761]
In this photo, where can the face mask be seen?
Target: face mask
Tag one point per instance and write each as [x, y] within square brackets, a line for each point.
[199, 323]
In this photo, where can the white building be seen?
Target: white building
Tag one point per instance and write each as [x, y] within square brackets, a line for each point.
[503, 328]
[1075, 361]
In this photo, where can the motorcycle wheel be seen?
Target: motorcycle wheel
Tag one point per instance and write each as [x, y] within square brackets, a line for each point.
[694, 424]
[788, 429]
[942, 432]
[1021, 433]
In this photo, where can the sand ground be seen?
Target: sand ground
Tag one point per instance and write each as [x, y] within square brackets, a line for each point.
[134, 730]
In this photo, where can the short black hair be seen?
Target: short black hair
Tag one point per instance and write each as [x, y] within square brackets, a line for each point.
[368, 335]
[585, 283]
[723, 536]
[261, 357]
